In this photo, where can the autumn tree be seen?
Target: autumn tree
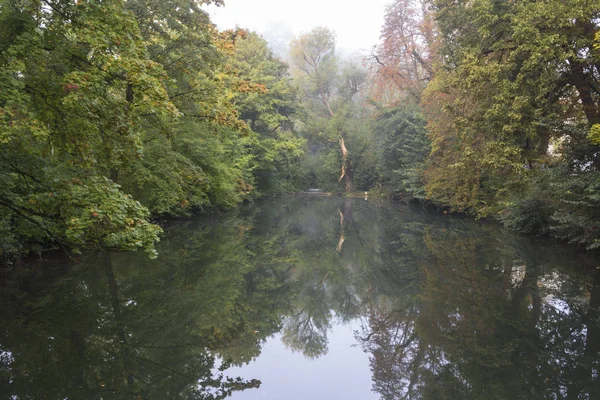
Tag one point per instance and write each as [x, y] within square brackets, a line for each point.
[403, 62]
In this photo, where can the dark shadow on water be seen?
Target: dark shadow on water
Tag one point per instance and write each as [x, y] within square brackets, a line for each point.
[449, 308]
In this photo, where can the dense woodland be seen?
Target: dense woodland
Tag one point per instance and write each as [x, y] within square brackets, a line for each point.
[117, 113]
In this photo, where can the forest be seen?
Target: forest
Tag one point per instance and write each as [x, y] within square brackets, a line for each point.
[118, 114]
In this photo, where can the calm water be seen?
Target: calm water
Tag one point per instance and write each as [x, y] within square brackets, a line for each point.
[309, 298]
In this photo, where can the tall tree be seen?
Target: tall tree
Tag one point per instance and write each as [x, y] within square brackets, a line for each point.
[117, 110]
[270, 113]
[315, 65]
[315, 68]
[404, 61]
[70, 122]
[515, 75]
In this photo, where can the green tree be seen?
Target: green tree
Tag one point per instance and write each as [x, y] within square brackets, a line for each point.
[402, 149]
[69, 121]
[511, 84]
[315, 65]
[270, 113]
[117, 111]
[334, 117]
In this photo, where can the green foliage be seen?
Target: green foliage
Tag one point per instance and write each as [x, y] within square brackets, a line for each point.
[532, 210]
[270, 114]
[166, 181]
[558, 202]
[508, 83]
[351, 80]
[315, 66]
[127, 107]
[276, 104]
[402, 149]
[98, 214]
[577, 218]
[594, 134]
[68, 122]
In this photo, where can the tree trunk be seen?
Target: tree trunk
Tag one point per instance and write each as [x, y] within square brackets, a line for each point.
[347, 170]
[579, 79]
[348, 179]
[326, 102]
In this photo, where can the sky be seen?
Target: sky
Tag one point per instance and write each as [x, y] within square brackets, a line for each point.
[343, 372]
[357, 24]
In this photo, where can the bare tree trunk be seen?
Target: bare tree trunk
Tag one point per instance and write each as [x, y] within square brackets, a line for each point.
[347, 171]
[324, 100]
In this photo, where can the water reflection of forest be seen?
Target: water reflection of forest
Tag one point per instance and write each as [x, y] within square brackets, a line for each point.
[450, 308]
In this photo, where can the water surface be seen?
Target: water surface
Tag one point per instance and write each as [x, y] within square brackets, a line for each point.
[299, 298]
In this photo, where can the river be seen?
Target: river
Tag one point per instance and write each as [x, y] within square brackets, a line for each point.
[308, 298]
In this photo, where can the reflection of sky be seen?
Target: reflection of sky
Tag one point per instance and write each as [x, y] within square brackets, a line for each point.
[342, 373]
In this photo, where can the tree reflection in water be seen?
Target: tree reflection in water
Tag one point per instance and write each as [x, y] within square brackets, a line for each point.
[492, 319]
[450, 308]
[120, 326]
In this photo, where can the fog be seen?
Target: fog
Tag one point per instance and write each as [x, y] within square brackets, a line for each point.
[357, 24]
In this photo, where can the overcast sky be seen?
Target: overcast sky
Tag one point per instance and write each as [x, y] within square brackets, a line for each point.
[357, 24]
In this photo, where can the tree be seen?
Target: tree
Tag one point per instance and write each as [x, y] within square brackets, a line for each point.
[404, 62]
[117, 111]
[198, 158]
[270, 113]
[402, 148]
[315, 69]
[69, 123]
[510, 85]
[315, 65]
